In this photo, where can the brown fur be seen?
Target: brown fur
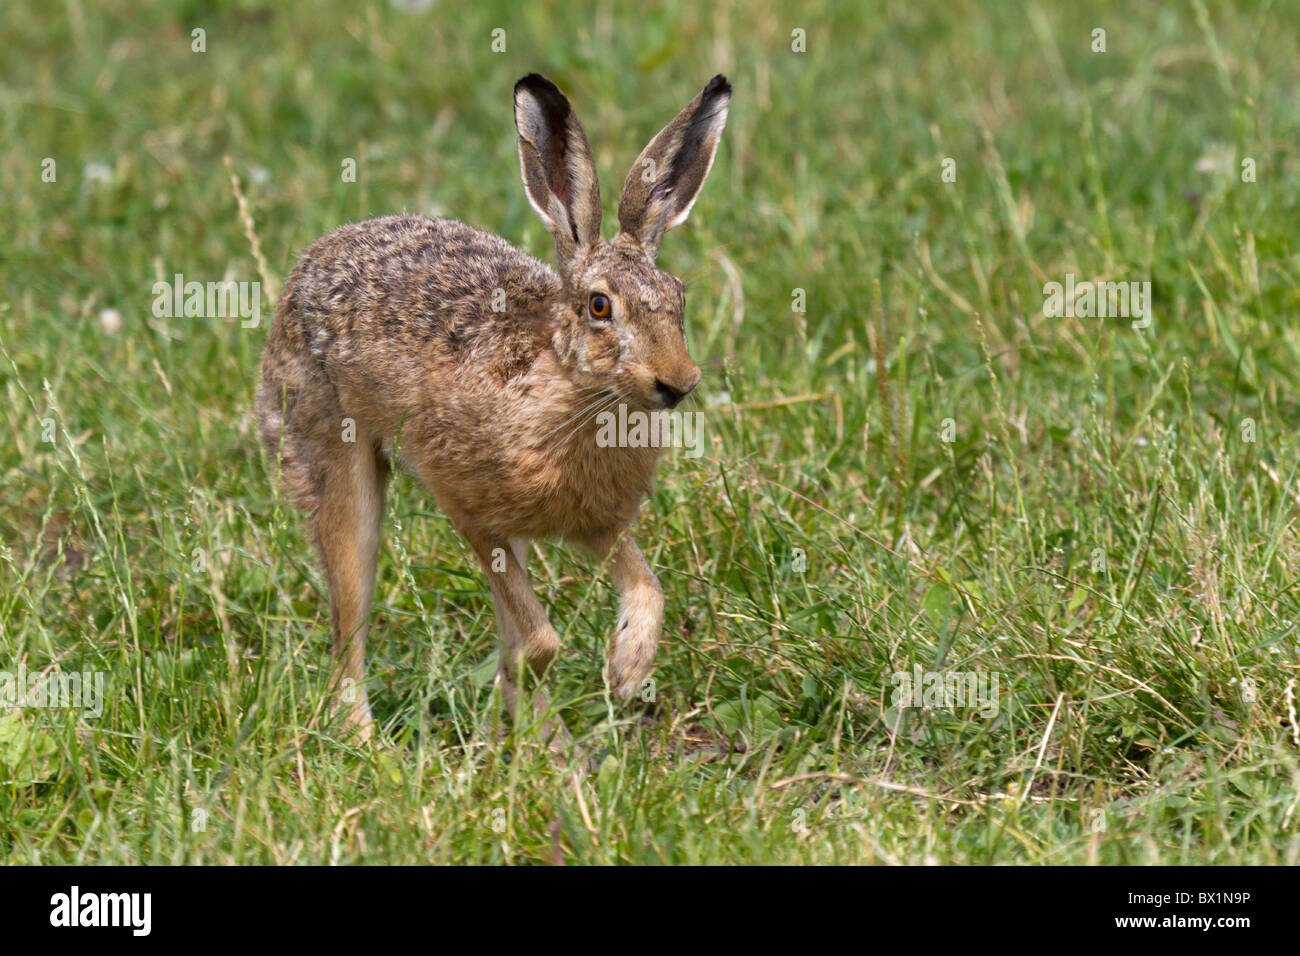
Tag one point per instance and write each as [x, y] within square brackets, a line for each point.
[481, 370]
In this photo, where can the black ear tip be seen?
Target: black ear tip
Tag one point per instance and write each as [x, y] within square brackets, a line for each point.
[536, 83]
[718, 86]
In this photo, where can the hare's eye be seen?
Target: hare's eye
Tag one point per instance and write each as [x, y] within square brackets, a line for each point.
[600, 306]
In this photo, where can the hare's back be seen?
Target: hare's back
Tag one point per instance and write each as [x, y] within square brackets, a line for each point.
[412, 279]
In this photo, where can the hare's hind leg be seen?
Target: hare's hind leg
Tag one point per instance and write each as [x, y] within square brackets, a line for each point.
[347, 523]
[333, 472]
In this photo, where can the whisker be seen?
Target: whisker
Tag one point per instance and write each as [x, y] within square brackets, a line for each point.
[600, 397]
[610, 402]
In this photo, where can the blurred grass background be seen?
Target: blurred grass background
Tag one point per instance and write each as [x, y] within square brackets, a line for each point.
[1104, 531]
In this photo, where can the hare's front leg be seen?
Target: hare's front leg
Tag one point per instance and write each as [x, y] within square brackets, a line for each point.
[528, 642]
[640, 613]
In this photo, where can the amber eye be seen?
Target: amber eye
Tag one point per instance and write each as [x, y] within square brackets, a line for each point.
[600, 306]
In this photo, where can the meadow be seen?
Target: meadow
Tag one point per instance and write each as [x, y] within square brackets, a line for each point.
[912, 466]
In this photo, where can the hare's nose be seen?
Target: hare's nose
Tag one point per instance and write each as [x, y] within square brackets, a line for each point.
[672, 394]
[669, 395]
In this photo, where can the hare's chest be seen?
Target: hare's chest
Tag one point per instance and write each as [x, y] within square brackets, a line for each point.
[512, 489]
[589, 488]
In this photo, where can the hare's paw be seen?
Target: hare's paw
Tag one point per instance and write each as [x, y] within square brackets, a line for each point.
[351, 710]
[632, 648]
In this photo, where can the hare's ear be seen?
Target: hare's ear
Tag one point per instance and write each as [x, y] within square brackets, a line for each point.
[667, 176]
[559, 173]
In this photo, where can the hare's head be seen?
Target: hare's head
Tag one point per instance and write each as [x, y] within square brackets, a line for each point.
[622, 319]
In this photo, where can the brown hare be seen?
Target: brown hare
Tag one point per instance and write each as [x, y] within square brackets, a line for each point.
[481, 371]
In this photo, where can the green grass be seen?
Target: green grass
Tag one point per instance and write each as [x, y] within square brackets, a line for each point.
[1100, 532]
